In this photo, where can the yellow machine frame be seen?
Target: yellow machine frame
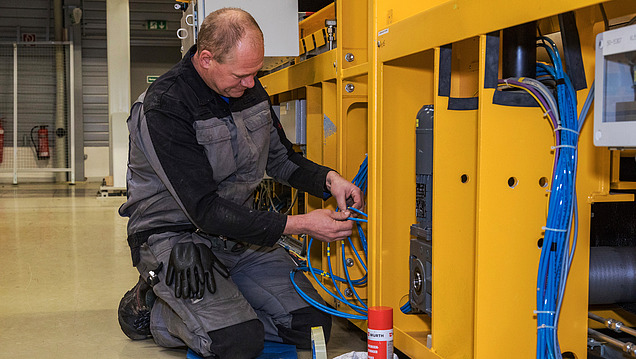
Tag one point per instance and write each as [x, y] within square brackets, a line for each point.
[486, 228]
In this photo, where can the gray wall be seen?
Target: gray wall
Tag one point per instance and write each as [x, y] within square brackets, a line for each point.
[152, 51]
[156, 49]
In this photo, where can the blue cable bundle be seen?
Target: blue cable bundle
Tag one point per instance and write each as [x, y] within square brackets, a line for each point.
[556, 251]
[360, 180]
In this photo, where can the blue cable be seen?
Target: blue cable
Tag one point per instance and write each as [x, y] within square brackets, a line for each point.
[359, 180]
[556, 253]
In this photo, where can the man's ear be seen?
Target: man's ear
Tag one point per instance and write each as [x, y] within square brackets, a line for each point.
[205, 59]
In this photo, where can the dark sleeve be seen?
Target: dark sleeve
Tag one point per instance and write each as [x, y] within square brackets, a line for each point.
[188, 176]
[310, 176]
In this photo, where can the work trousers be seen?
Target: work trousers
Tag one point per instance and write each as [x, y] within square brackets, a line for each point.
[259, 287]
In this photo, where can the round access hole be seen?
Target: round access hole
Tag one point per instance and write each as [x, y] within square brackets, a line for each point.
[513, 182]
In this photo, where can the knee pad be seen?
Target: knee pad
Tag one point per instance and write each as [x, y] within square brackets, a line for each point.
[240, 341]
[302, 321]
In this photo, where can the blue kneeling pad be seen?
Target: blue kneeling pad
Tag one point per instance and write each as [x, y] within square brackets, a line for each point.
[272, 350]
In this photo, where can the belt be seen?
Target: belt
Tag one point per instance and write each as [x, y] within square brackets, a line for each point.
[219, 243]
[136, 240]
[222, 243]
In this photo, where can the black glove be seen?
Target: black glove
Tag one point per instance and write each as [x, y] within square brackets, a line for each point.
[210, 262]
[185, 270]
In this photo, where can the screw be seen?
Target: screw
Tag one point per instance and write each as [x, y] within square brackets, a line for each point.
[349, 88]
[349, 262]
[349, 57]
[348, 292]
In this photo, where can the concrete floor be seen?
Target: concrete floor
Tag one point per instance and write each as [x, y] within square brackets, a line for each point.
[65, 266]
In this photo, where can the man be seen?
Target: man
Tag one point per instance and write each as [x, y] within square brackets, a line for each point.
[200, 142]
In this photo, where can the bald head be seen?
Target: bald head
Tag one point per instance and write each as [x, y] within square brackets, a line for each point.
[223, 30]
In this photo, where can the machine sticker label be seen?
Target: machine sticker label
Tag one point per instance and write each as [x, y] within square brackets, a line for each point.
[328, 128]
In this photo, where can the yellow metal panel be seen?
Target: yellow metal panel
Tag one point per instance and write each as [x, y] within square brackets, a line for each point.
[391, 200]
[309, 43]
[355, 71]
[319, 37]
[413, 343]
[309, 72]
[352, 31]
[314, 134]
[330, 127]
[513, 143]
[459, 19]
[454, 196]
[514, 153]
[354, 132]
[391, 11]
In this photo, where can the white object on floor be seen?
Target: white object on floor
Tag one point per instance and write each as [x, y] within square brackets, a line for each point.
[358, 355]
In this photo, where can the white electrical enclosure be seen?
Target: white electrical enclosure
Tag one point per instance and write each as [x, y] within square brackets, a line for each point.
[615, 88]
[278, 19]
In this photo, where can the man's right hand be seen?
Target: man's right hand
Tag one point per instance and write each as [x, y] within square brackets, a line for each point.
[321, 224]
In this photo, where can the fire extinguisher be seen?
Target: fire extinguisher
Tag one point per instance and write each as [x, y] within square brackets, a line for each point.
[42, 147]
[1, 140]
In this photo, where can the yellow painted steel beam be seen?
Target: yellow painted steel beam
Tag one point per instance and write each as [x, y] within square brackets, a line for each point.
[413, 343]
[390, 12]
[314, 135]
[353, 31]
[459, 19]
[453, 230]
[374, 145]
[355, 71]
[312, 71]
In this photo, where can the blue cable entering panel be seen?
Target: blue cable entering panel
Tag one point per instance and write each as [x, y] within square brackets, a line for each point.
[359, 180]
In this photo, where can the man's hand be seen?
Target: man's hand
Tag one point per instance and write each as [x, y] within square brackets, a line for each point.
[321, 224]
[346, 193]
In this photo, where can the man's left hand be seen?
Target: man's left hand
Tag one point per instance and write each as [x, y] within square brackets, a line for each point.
[346, 193]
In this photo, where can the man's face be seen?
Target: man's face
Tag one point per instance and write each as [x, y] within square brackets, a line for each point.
[236, 74]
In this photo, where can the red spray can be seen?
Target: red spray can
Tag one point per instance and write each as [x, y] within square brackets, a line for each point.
[380, 333]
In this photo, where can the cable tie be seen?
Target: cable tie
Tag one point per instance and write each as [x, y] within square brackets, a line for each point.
[544, 312]
[566, 146]
[543, 326]
[545, 114]
[553, 229]
[565, 129]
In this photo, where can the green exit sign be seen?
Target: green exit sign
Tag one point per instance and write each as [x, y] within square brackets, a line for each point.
[156, 25]
[150, 79]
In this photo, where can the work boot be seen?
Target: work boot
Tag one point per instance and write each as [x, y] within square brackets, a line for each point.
[134, 311]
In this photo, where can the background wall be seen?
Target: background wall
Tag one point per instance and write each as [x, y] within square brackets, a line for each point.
[152, 53]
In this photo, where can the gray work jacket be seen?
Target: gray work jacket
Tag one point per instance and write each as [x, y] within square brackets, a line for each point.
[195, 160]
